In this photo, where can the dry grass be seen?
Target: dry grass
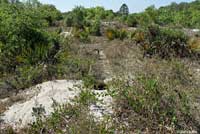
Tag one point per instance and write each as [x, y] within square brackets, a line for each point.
[10, 101]
[17, 98]
[194, 44]
[117, 50]
[2, 107]
[173, 75]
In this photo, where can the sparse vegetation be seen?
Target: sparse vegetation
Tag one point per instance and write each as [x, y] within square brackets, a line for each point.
[151, 103]
[152, 59]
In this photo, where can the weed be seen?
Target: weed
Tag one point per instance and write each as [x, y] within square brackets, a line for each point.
[89, 81]
[87, 98]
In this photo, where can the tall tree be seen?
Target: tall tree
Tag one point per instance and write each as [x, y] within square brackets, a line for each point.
[124, 9]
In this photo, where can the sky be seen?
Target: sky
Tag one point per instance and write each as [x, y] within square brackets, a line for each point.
[134, 5]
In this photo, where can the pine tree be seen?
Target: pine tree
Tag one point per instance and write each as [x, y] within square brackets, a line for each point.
[124, 9]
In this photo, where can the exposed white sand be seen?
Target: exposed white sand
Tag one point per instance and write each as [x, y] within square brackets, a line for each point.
[20, 114]
[62, 91]
[103, 106]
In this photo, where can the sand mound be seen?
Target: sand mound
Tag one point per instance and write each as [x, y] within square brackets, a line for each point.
[20, 114]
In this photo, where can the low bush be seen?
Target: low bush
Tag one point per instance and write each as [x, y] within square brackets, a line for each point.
[153, 104]
[89, 81]
[28, 76]
[87, 98]
[112, 34]
[95, 28]
[139, 36]
[69, 20]
[121, 34]
[82, 35]
[164, 42]
[132, 21]
[77, 16]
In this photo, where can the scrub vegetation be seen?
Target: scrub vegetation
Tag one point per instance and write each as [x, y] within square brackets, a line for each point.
[153, 57]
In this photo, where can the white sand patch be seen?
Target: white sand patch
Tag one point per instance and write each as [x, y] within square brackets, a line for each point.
[20, 114]
[104, 105]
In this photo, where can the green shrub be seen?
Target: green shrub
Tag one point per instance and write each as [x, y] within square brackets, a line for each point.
[49, 13]
[139, 36]
[28, 76]
[121, 34]
[69, 20]
[132, 21]
[82, 35]
[87, 98]
[152, 103]
[89, 81]
[24, 42]
[116, 34]
[78, 14]
[166, 42]
[95, 28]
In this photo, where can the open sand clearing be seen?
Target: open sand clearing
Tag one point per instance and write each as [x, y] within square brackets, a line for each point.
[20, 114]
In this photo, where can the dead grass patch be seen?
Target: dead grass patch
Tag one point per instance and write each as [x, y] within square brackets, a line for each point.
[117, 50]
[2, 107]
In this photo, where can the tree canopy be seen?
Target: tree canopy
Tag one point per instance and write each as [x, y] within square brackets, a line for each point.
[124, 10]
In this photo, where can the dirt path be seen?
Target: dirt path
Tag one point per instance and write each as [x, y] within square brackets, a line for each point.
[102, 67]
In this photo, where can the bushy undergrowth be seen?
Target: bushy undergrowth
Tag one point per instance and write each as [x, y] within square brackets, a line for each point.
[164, 42]
[150, 105]
[29, 53]
[26, 48]
[144, 104]
[167, 42]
